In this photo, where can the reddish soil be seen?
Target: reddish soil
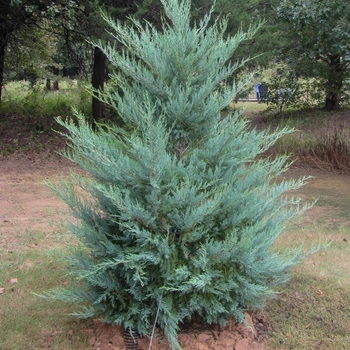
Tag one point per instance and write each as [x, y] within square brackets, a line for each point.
[232, 337]
[27, 205]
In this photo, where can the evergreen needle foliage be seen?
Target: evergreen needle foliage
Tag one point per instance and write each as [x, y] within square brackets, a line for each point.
[177, 216]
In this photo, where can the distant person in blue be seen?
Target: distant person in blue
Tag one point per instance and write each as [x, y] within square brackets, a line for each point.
[263, 90]
[257, 91]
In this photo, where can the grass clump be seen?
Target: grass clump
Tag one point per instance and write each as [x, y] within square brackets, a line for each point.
[321, 139]
[26, 321]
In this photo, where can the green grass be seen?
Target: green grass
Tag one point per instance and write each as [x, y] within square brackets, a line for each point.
[33, 103]
[27, 321]
[312, 310]
[250, 108]
[310, 313]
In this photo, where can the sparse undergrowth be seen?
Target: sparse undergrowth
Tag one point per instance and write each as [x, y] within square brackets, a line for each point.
[321, 139]
[27, 124]
[22, 136]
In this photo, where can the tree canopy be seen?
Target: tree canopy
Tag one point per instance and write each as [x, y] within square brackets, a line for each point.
[320, 42]
[313, 37]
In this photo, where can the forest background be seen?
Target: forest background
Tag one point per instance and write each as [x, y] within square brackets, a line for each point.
[303, 46]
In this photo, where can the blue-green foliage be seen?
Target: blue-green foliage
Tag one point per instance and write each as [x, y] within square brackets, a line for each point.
[177, 214]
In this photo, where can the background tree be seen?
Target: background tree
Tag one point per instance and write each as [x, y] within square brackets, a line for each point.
[87, 24]
[12, 15]
[29, 54]
[70, 23]
[241, 14]
[67, 24]
[23, 16]
[320, 42]
[179, 217]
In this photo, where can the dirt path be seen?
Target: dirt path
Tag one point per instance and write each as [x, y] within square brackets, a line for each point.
[26, 203]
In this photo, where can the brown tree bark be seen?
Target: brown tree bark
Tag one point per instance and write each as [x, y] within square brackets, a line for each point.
[334, 83]
[6, 29]
[56, 71]
[48, 84]
[98, 83]
[332, 102]
[2, 61]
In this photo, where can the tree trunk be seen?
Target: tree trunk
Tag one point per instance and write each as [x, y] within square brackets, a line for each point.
[56, 71]
[332, 102]
[5, 32]
[2, 61]
[98, 83]
[3, 43]
[48, 84]
[334, 83]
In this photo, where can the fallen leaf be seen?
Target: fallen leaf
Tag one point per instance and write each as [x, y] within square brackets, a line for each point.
[92, 341]
[65, 283]
[13, 280]
[2, 290]
[320, 293]
[308, 326]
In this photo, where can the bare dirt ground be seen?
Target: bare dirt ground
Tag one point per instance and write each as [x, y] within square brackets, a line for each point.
[28, 205]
